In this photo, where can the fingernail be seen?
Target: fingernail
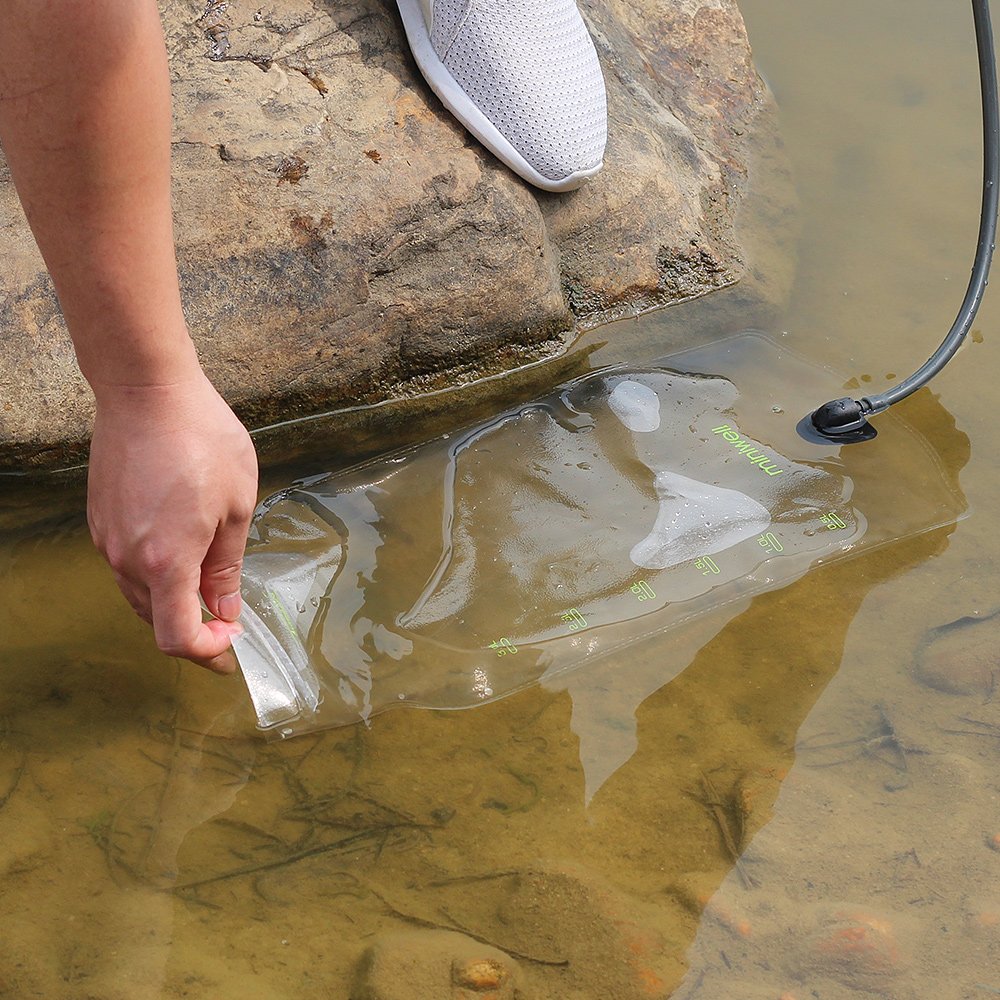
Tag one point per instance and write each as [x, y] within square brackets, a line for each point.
[230, 607]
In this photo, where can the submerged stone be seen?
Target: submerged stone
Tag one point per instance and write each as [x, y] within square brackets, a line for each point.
[961, 657]
[856, 947]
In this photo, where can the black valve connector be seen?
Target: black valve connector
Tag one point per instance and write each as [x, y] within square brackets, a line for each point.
[844, 421]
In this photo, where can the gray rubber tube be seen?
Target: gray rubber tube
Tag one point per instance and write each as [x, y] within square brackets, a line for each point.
[987, 222]
[839, 419]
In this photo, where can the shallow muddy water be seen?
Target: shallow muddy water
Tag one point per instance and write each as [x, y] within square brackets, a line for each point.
[839, 736]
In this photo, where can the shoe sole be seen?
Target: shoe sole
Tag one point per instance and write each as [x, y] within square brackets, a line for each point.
[457, 102]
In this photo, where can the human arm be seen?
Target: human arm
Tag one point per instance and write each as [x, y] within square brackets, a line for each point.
[85, 126]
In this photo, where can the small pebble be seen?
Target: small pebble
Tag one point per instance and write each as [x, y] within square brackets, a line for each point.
[446, 965]
[479, 974]
[986, 919]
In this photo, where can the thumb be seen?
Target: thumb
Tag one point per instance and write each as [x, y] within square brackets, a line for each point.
[220, 571]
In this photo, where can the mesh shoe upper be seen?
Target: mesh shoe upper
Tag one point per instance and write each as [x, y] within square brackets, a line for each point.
[531, 68]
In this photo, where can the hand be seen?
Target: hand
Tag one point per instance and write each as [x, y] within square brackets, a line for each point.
[172, 486]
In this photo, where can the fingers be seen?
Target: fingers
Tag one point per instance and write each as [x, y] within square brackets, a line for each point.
[225, 662]
[170, 603]
[172, 607]
[220, 571]
[171, 490]
[137, 596]
[175, 614]
[180, 631]
[190, 643]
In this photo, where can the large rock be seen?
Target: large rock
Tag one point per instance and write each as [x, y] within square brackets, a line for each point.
[343, 241]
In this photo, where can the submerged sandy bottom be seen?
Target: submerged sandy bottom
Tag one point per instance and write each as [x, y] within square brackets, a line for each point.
[152, 846]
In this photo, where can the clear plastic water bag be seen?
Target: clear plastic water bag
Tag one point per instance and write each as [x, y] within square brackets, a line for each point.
[620, 505]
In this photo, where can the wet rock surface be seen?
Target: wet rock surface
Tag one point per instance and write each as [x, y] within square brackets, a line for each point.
[343, 241]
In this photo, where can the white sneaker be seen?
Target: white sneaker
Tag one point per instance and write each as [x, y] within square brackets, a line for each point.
[522, 76]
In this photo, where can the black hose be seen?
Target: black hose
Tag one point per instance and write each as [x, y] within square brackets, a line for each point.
[844, 420]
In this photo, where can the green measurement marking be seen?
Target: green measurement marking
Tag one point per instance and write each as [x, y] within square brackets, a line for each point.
[574, 619]
[707, 565]
[503, 646]
[769, 543]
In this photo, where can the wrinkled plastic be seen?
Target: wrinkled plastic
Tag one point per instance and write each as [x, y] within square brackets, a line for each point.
[620, 505]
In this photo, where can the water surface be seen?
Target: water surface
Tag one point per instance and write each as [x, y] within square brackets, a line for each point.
[830, 735]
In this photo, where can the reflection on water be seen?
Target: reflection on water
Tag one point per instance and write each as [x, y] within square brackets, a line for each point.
[588, 828]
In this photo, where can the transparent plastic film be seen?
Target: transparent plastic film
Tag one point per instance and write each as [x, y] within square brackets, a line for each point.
[618, 506]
